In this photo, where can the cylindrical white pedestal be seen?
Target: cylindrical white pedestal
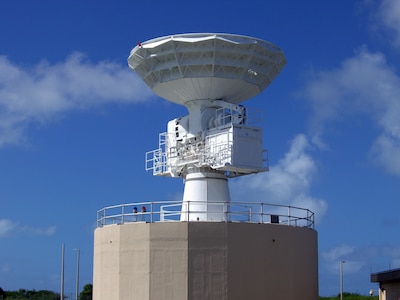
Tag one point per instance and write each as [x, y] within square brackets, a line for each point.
[205, 197]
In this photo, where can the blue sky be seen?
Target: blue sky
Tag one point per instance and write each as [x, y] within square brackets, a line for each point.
[75, 123]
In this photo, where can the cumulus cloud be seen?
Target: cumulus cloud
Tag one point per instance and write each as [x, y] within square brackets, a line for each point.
[364, 84]
[357, 258]
[338, 253]
[8, 227]
[348, 254]
[44, 91]
[288, 182]
[388, 16]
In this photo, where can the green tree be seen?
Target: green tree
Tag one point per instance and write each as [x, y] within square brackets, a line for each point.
[23, 294]
[87, 292]
[2, 294]
[350, 296]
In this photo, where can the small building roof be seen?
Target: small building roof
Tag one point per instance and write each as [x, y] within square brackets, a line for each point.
[386, 276]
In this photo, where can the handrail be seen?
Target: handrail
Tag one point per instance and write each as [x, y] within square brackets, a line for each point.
[171, 211]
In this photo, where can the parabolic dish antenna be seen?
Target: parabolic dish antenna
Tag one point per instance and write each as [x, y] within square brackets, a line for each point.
[210, 74]
[186, 67]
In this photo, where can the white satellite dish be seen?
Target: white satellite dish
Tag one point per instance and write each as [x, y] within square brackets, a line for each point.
[210, 74]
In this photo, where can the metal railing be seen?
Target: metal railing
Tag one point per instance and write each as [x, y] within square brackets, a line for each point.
[171, 211]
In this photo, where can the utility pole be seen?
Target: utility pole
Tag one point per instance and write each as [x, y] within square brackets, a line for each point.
[77, 273]
[62, 272]
[341, 279]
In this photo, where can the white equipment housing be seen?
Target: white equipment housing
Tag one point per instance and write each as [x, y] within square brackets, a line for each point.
[227, 142]
[210, 74]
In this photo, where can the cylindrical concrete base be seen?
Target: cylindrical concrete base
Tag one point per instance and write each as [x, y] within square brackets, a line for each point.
[205, 260]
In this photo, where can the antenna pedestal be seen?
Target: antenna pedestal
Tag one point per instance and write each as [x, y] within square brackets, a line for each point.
[205, 196]
[209, 74]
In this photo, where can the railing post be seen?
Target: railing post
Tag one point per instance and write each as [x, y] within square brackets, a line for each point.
[250, 214]
[262, 213]
[151, 212]
[228, 208]
[312, 223]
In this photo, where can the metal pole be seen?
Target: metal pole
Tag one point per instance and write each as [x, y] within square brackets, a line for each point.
[341, 279]
[62, 272]
[77, 273]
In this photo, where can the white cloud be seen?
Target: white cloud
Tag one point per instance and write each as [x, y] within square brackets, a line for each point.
[5, 268]
[338, 253]
[286, 183]
[388, 15]
[386, 151]
[348, 254]
[43, 92]
[374, 257]
[48, 231]
[8, 227]
[364, 84]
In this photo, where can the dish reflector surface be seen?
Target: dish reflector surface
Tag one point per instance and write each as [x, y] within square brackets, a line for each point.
[207, 66]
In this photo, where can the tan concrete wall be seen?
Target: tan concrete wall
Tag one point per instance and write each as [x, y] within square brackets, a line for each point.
[269, 261]
[200, 260]
[168, 261]
[208, 260]
[140, 261]
[106, 261]
[392, 290]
